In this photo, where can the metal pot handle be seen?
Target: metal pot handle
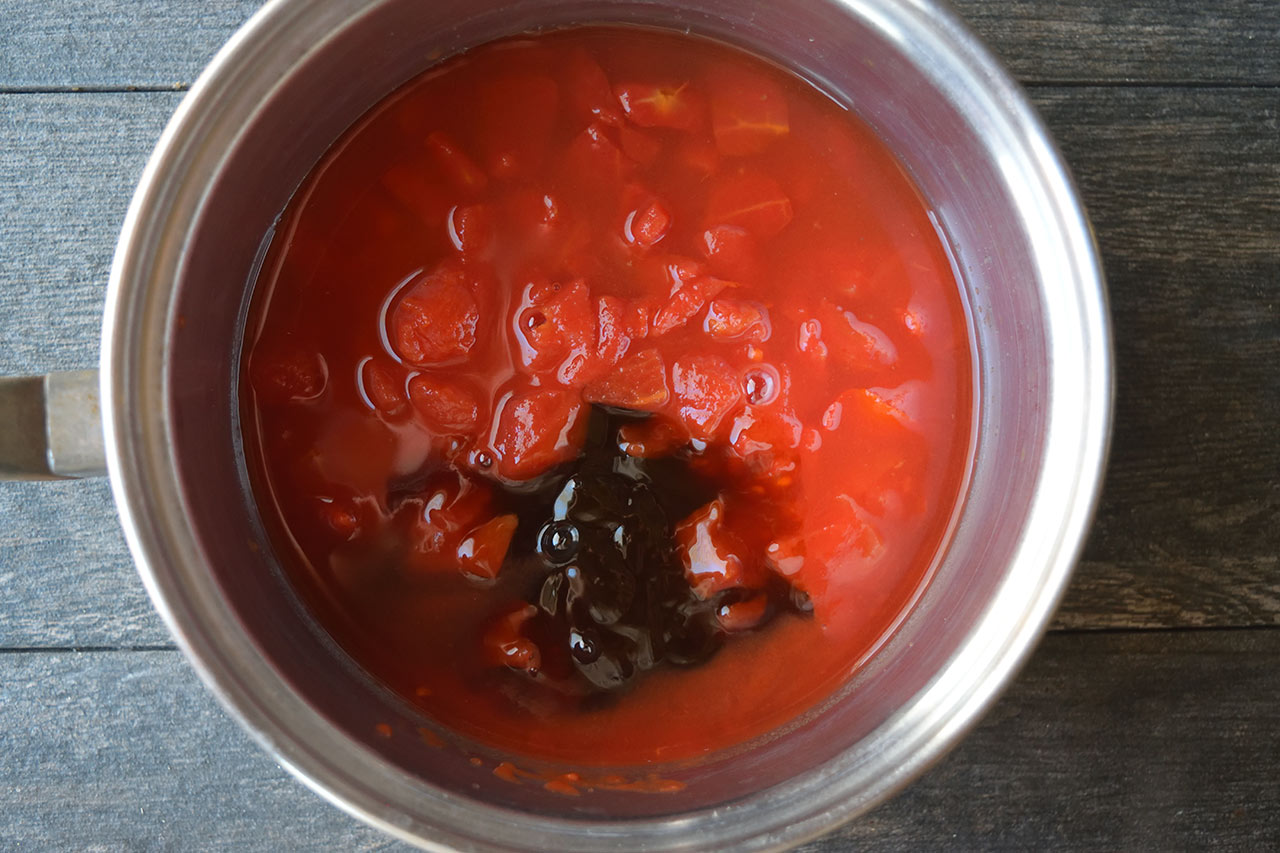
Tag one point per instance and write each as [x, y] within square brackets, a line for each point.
[51, 427]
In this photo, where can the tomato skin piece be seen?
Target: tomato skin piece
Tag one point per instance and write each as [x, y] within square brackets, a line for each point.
[446, 405]
[483, 550]
[536, 431]
[679, 106]
[751, 200]
[436, 319]
[705, 390]
[638, 383]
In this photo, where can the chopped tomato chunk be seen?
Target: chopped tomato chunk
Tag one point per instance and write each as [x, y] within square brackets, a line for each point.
[460, 169]
[737, 319]
[537, 430]
[706, 389]
[647, 225]
[678, 106]
[447, 405]
[435, 321]
[731, 251]
[639, 383]
[385, 390]
[712, 555]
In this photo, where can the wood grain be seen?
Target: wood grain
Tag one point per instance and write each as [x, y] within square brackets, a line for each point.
[162, 43]
[1183, 187]
[1184, 190]
[1141, 41]
[1104, 742]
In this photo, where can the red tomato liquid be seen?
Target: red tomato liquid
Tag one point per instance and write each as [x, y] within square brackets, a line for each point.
[604, 220]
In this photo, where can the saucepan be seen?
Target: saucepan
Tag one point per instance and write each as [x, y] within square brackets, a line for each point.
[285, 86]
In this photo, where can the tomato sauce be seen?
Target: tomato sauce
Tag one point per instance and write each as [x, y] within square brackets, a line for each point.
[607, 393]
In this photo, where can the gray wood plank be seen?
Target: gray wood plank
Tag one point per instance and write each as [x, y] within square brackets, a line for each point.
[167, 42]
[68, 164]
[1183, 186]
[1155, 740]
[1140, 41]
[114, 42]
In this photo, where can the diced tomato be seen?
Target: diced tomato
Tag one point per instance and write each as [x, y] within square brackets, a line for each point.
[678, 106]
[748, 112]
[435, 321]
[731, 252]
[750, 200]
[706, 390]
[866, 352]
[834, 533]
[446, 404]
[711, 554]
[737, 319]
[456, 166]
[652, 438]
[660, 276]
[416, 193]
[506, 643]
[697, 155]
[685, 302]
[638, 383]
[483, 550]
[537, 430]
[640, 146]
[288, 375]
[619, 324]
[470, 229]
[647, 225]
[883, 459]
[556, 328]
[515, 116]
[594, 157]
[383, 387]
[587, 89]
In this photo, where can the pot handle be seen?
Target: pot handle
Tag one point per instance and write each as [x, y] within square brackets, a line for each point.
[51, 427]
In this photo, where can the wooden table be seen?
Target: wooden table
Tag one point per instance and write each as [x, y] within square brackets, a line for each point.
[1149, 716]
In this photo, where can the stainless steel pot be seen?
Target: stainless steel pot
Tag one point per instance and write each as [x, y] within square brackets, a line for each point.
[269, 104]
